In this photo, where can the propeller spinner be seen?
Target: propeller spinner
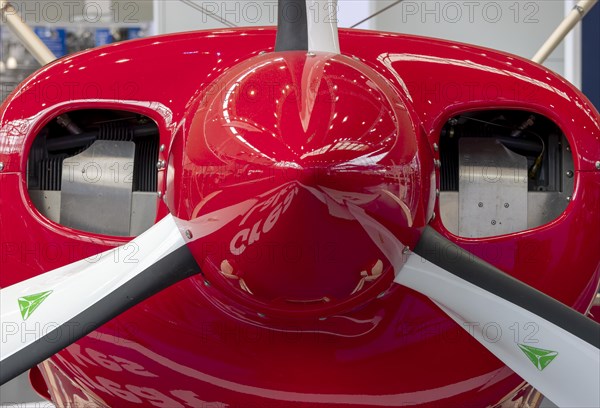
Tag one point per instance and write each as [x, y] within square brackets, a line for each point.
[307, 141]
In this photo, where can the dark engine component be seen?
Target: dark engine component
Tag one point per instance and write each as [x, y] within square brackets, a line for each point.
[502, 171]
[128, 183]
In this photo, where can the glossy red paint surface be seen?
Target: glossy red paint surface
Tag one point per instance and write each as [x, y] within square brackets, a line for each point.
[308, 149]
[197, 344]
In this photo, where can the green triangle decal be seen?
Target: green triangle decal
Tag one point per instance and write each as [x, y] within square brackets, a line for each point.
[539, 357]
[28, 304]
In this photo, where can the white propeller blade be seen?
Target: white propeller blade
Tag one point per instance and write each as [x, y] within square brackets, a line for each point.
[549, 345]
[44, 314]
[322, 26]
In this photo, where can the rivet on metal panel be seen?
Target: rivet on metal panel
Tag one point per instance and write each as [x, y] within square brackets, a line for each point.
[1, 166]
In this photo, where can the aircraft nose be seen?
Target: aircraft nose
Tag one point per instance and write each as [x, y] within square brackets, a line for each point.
[316, 163]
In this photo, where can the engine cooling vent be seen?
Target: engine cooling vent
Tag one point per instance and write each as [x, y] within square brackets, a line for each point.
[114, 132]
[52, 146]
[503, 171]
[56, 150]
[145, 177]
[49, 173]
[449, 169]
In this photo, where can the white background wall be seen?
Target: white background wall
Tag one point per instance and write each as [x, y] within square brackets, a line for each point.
[516, 26]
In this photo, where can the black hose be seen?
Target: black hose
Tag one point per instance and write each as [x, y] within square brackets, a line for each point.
[527, 147]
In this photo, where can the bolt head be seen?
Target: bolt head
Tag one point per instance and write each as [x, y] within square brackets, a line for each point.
[598, 165]
[162, 148]
[436, 147]
[1, 166]
[161, 164]
[570, 174]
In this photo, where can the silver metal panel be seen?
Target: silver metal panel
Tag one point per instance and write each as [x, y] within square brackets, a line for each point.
[542, 208]
[47, 203]
[97, 188]
[143, 212]
[143, 208]
[449, 210]
[492, 189]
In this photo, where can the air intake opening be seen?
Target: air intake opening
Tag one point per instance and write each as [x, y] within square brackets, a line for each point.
[503, 171]
[98, 176]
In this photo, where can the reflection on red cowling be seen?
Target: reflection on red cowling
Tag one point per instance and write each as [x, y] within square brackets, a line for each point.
[329, 159]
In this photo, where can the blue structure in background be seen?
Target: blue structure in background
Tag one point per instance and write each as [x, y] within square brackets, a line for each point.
[103, 36]
[54, 38]
[591, 56]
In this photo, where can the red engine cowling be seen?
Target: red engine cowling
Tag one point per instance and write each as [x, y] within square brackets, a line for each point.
[324, 333]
